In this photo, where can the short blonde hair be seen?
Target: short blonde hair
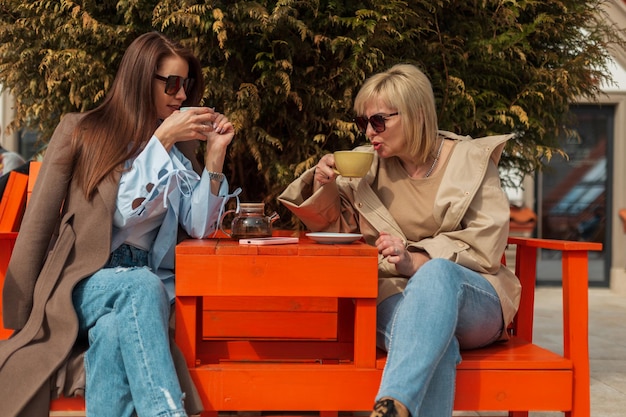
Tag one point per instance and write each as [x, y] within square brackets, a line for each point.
[407, 89]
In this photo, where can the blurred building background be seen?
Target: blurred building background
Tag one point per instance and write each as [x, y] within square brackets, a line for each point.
[580, 198]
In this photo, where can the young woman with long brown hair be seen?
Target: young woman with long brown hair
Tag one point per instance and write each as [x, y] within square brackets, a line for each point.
[93, 262]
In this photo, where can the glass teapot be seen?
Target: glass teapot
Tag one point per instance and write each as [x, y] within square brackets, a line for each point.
[250, 221]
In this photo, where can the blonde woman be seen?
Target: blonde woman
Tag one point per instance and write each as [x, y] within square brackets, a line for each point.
[433, 206]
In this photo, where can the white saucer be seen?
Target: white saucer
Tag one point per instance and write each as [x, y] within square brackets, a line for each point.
[330, 238]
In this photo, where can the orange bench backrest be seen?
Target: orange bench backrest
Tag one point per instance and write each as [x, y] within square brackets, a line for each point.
[13, 202]
[33, 173]
[12, 208]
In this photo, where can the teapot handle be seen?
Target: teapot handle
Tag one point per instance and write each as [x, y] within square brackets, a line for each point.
[273, 217]
[222, 222]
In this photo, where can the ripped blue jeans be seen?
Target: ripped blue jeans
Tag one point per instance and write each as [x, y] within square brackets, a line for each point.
[444, 308]
[123, 311]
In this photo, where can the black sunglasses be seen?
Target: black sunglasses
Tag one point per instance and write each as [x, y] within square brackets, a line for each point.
[377, 121]
[173, 83]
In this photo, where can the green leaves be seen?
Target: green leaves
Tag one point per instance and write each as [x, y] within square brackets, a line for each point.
[286, 71]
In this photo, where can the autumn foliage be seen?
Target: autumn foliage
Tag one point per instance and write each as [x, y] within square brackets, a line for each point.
[286, 71]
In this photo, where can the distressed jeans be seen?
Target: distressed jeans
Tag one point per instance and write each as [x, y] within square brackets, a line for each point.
[124, 314]
[444, 308]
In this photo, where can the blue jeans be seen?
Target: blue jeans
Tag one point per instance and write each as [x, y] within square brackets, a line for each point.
[124, 314]
[444, 308]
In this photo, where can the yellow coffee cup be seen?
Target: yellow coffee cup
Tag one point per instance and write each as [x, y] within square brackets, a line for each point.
[353, 163]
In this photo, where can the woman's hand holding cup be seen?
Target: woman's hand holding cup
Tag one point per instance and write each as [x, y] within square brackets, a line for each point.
[325, 171]
[352, 164]
[205, 120]
[191, 123]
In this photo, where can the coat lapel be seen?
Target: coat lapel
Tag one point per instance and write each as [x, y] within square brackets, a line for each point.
[107, 191]
[368, 204]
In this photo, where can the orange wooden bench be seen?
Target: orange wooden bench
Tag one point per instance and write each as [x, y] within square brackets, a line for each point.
[228, 309]
[312, 350]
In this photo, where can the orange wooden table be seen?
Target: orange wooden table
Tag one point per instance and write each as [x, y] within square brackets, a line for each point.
[293, 324]
[292, 328]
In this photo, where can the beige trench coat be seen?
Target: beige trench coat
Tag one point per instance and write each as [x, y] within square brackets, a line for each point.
[470, 205]
[51, 255]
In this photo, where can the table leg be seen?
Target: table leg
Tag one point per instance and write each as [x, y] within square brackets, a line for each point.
[188, 327]
[365, 333]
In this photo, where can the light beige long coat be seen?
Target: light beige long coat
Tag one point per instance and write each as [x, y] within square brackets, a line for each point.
[470, 206]
[52, 254]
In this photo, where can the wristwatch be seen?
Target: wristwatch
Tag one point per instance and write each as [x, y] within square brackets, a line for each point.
[217, 176]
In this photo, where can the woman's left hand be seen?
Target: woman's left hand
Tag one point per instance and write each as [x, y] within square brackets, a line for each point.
[221, 131]
[219, 135]
[394, 250]
[196, 123]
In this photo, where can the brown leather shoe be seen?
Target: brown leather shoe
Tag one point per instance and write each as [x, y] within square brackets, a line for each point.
[388, 407]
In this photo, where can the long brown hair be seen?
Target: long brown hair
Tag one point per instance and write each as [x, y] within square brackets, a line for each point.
[116, 130]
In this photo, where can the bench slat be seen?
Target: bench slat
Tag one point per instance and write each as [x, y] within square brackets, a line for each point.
[515, 354]
[280, 387]
[13, 202]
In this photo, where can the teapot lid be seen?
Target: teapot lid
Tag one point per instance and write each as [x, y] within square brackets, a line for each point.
[251, 207]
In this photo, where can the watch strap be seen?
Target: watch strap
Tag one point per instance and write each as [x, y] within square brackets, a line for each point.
[217, 176]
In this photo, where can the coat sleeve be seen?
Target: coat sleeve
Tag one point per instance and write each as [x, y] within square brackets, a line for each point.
[329, 209]
[156, 178]
[39, 226]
